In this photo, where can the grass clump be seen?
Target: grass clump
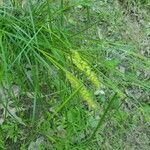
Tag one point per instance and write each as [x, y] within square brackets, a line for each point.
[73, 75]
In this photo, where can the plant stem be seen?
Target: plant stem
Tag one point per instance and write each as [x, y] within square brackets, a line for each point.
[102, 118]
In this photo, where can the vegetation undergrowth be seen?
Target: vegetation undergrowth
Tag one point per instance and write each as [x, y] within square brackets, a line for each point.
[74, 74]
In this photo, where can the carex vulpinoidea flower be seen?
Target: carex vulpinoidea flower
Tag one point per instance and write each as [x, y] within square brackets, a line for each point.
[85, 68]
[85, 94]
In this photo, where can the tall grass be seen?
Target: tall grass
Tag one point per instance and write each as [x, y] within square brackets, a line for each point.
[45, 58]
